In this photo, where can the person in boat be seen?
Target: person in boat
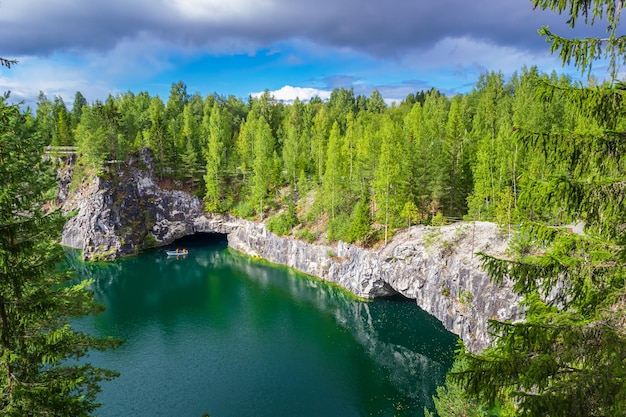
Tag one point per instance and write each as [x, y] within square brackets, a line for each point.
[177, 250]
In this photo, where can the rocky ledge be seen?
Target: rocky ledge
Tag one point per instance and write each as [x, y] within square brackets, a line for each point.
[436, 266]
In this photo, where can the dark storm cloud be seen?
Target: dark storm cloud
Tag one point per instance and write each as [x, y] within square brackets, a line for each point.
[378, 28]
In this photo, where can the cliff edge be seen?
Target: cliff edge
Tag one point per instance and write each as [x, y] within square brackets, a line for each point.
[436, 266]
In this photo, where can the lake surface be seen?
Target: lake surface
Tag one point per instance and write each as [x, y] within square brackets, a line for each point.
[220, 333]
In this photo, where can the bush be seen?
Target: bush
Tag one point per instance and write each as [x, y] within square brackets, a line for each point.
[306, 235]
[438, 220]
[282, 223]
[244, 210]
[149, 241]
[360, 222]
[339, 228]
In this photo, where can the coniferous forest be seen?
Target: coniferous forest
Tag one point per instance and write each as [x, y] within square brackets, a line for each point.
[352, 166]
[534, 152]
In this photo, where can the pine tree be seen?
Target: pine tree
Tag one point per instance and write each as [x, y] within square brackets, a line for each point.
[360, 219]
[245, 142]
[293, 159]
[319, 141]
[41, 371]
[388, 179]
[568, 356]
[263, 164]
[155, 134]
[214, 152]
[77, 109]
[333, 176]
[45, 119]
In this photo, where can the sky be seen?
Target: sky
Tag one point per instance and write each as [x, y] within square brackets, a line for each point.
[292, 48]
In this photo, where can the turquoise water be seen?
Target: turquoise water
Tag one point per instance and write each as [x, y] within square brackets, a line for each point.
[217, 332]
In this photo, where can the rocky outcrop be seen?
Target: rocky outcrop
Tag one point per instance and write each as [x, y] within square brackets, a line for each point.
[123, 212]
[436, 266]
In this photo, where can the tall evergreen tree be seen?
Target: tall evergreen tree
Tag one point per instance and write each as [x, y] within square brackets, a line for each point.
[388, 179]
[77, 109]
[333, 176]
[215, 154]
[453, 148]
[293, 149]
[319, 141]
[568, 356]
[41, 371]
[46, 126]
[191, 138]
[263, 166]
[155, 134]
[489, 131]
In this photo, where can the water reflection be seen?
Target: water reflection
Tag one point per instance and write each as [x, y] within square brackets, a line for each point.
[292, 318]
[412, 346]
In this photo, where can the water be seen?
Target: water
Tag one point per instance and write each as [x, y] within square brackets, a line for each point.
[217, 332]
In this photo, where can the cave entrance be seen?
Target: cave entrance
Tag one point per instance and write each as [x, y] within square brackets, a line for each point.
[397, 297]
[201, 239]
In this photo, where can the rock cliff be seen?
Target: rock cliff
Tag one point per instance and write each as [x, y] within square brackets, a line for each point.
[436, 266]
[122, 213]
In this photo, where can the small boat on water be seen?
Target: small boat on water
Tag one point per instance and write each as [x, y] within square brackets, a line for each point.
[177, 252]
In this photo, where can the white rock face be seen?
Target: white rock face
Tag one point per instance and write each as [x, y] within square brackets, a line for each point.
[436, 266]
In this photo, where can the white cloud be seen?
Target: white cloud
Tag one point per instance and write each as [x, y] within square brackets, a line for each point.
[220, 10]
[288, 93]
[466, 52]
[54, 77]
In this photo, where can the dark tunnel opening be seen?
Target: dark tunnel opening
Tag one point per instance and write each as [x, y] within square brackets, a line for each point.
[200, 239]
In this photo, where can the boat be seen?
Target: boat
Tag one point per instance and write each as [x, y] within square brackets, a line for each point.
[177, 253]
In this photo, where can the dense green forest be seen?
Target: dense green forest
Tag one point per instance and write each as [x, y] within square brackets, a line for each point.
[532, 153]
[352, 166]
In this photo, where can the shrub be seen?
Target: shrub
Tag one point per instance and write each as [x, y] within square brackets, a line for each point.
[339, 228]
[306, 235]
[281, 224]
[149, 241]
[438, 220]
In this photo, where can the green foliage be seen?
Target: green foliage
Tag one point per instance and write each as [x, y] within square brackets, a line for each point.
[244, 209]
[334, 174]
[451, 401]
[410, 213]
[566, 358]
[445, 291]
[281, 224]
[360, 220]
[214, 154]
[263, 167]
[388, 177]
[306, 235]
[438, 220]
[339, 228]
[40, 353]
[149, 241]
[466, 297]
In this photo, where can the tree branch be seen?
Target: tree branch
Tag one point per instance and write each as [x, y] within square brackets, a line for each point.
[7, 62]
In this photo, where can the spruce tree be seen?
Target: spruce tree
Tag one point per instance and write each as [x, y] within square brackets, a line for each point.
[41, 370]
[568, 356]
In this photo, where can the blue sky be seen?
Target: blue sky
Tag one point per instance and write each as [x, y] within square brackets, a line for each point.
[290, 47]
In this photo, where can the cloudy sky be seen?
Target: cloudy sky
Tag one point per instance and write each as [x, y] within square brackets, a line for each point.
[290, 47]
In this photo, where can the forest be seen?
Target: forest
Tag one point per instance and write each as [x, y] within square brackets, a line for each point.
[352, 166]
[535, 153]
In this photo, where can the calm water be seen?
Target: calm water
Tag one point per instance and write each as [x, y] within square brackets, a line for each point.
[218, 332]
